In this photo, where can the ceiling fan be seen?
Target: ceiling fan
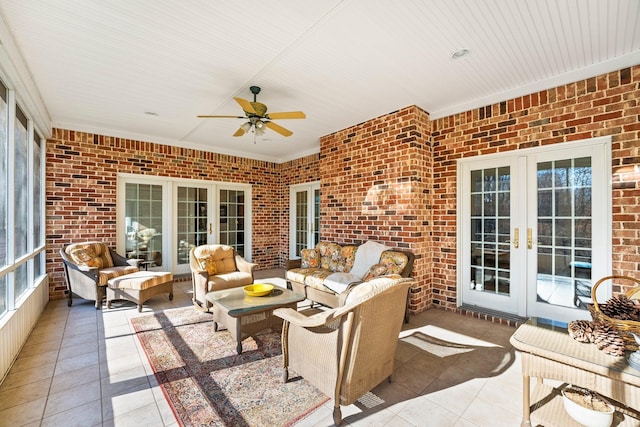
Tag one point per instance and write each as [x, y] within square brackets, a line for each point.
[258, 119]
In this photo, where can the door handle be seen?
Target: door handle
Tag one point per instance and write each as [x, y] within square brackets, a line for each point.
[210, 228]
[529, 238]
[516, 238]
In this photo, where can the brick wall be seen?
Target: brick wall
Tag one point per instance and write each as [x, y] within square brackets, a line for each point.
[81, 190]
[604, 105]
[376, 185]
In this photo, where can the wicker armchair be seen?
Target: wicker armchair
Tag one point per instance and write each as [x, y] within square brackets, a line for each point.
[216, 267]
[347, 351]
[88, 266]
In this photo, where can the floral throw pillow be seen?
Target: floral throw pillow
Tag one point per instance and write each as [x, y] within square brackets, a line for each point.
[310, 258]
[376, 270]
[208, 264]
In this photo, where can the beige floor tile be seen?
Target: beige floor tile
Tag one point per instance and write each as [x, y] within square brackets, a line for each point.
[23, 414]
[421, 411]
[119, 405]
[412, 379]
[125, 381]
[72, 398]
[28, 376]
[34, 361]
[147, 415]
[71, 379]
[19, 395]
[74, 363]
[89, 414]
[485, 413]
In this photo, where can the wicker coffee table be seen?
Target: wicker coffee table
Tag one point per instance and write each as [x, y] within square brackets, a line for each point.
[245, 315]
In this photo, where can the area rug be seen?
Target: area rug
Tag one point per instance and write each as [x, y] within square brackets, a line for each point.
[208, 384]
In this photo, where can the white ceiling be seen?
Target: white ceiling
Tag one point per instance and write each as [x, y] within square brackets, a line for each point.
[101, 65]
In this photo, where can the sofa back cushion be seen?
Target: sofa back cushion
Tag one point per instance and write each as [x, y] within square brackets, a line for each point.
[332, 257]
[216, 259]
[90, 254]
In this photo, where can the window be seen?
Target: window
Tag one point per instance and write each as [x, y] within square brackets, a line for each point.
[21, 205]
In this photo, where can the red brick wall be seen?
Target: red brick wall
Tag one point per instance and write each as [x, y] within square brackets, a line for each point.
[81, 190]
[604, 105]
[376, 185]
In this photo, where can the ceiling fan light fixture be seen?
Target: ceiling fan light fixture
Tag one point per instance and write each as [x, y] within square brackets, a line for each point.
[246, 127]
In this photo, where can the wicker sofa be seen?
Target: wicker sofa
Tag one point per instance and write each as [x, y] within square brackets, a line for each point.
[319, 265]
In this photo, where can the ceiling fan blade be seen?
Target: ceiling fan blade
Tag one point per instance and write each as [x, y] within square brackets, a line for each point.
[287, 115]
[221, 117]
[239, 132]
[282, 131]
[246, 105]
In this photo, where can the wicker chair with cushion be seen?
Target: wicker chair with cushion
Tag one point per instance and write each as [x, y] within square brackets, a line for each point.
[216, 267]
[348, 350]
[88, 267]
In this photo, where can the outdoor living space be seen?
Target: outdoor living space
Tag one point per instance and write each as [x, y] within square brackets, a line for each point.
[82, 366]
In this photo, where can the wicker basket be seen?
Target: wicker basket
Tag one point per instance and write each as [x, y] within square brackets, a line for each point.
[624, 327]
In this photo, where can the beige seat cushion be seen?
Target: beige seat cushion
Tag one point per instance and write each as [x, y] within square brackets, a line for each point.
[140, 280]
[109, 273]
[229, 280]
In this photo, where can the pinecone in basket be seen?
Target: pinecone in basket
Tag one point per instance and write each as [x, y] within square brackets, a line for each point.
[581, 330]
[607, 339]
[621, 307]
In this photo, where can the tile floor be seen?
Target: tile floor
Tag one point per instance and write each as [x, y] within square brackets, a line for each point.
[83, 367]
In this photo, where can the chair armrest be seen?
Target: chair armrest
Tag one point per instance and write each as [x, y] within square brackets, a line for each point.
[319, 319]
[244, 265]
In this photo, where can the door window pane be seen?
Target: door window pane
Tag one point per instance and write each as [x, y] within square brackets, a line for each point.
[143, 219]
[232, 219]
[192, 220]
[302, 220]
[490, 230]
[316, 220]
[564, 232]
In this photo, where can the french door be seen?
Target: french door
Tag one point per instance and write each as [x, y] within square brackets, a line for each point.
[304, 218]
[535, 229]
[161, 220]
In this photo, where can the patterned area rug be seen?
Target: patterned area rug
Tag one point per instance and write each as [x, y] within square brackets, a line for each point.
[208, 384]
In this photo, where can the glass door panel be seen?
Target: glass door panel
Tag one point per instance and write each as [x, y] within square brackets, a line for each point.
[192, 218]
[488, 226]
[232, 219]
[144, 222]
[302, 221]
[564, 232]
[304, 218]
[316, 216]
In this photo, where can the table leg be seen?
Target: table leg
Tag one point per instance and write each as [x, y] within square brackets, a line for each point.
[526, 401]
[238, 335]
